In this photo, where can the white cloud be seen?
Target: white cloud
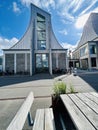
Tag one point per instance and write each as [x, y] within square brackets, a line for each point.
[90, 6]
[15, 7]
[48, 3]
[39, 3]
[27, 2]
[60, 2]
[69, 46]
[7, 43]
[73, 4]
[64, 32]
[78, 5]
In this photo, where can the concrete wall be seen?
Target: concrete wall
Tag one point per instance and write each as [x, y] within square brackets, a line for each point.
[53, 60]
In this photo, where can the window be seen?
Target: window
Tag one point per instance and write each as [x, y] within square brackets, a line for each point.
[41, 45]
[83, 51]
[92, 49]
[93, 62]
[41, 32]
[0, 61]
[41, 60]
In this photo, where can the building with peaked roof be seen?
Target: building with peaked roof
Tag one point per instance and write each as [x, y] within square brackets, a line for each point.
[87, 49]
[38, 50]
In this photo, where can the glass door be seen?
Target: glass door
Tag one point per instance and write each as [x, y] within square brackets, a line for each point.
[42, 64]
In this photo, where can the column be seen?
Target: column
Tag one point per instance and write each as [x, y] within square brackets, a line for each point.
[3, 62]
[30, 63]
[67, 63]
[80, 62]
[97, 62]
[15, 63]
[89, 58]
[57, 60]
[89, 62]
[25, 61]
[50, 61]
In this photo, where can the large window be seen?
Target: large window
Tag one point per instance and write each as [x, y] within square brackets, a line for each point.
[83, 51]
[92, 49]
[0, 61]
[93, 62]
[41, 32]
[42, 62]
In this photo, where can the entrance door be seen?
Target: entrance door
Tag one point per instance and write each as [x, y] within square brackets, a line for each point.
[42, 64]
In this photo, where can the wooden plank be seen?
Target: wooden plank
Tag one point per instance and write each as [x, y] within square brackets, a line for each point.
[19, 119]
[49, 119]
[95, 94]
[88, 112]
[39, 120]
[91, 97]
[89, 102]
[77, 117]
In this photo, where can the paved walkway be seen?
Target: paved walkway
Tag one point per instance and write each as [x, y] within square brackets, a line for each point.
[13, 91]
[77, 83]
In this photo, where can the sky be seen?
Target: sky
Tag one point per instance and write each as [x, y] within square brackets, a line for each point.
[68, 18]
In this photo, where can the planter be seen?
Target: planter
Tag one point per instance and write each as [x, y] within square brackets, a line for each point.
[55, 100]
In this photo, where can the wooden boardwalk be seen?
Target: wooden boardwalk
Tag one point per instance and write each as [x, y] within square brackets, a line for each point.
[83, 109]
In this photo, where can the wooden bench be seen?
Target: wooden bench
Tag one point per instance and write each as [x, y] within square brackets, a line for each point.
[18, 121]
[44, 120]
[83, 109]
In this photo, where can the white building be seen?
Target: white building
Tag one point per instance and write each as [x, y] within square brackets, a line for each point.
[87, 49]
[38, 50]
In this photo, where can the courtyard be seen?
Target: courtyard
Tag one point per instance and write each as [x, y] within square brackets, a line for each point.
[14, 89]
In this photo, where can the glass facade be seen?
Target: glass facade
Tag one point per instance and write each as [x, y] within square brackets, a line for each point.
[93, 62]
[83, 51]
[41, 62]
[0, 61]
[93, 49]
[41, 32]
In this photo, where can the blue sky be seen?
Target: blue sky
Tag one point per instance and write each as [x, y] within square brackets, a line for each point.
[68, 18]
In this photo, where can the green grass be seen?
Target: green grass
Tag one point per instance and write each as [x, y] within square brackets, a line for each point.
[59, 88]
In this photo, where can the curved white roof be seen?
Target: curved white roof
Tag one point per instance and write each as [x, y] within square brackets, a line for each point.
[90, 31]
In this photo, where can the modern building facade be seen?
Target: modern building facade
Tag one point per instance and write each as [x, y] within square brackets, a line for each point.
[38, 50]
[87, 49]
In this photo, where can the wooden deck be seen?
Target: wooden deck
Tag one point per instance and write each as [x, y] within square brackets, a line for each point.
[83, 109]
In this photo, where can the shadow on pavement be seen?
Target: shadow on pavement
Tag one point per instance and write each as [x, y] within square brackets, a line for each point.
[15, 79]
[91, 79]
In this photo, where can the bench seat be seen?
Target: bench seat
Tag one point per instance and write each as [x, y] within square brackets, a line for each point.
[19, 120]
[44, 120]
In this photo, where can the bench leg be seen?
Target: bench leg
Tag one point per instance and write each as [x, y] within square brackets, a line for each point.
[30, 120]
